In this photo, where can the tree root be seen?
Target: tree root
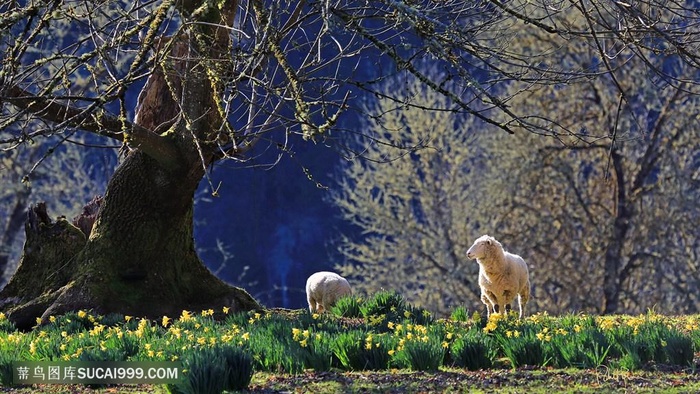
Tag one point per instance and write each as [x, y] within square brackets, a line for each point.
[56, 276]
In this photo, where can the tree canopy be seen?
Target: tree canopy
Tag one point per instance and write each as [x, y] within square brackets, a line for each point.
[296, 66]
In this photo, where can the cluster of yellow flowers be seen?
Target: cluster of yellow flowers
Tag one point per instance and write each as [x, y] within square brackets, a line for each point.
[255, 318]
[544, 335]
[511, 326]
[607, 324]
[99, 336]
[186, 316]
[542, 318]
[407, 332]
[635, 322]
[303, 336]
[235, 332]
[492, 323]
[369, 344]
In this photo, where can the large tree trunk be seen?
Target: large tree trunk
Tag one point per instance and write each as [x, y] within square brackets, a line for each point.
[139, 260]
[140, 257]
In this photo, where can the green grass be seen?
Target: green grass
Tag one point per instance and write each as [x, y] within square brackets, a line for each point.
[392, 338]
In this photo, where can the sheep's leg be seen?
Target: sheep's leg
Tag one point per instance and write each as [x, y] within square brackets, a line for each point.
[489, 310]
[312, 304]
[328, 301]
[493, 301]
[489, 305]
[523, 298]
[508, 308]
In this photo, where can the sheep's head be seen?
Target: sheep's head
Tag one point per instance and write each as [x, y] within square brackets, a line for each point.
[481, 247]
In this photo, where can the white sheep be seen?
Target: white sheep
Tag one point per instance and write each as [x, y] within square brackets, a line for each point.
[502, 275]
[323, 289]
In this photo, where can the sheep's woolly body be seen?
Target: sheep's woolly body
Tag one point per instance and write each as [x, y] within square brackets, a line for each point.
[323, 289]
[503, 276]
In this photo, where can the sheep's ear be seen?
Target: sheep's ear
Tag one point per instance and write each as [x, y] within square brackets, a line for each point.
[488, 242]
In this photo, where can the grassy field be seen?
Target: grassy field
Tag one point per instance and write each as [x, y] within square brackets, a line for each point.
[380, 345]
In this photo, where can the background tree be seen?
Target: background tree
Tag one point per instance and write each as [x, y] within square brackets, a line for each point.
[604, 210]
[415, 200]
[612, 207]
[220, 78]
[616, 215]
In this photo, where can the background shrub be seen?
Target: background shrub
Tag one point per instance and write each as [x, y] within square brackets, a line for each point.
[359, 350]
[387, 303]
[214, 370]
[273, 346]
[350, 307]
[422, 355]
[679, 349]
[580, 348]
[524, 349]
[473, 351]
[460, 314]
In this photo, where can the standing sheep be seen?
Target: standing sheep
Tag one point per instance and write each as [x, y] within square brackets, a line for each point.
[502, 275]
[323, 289]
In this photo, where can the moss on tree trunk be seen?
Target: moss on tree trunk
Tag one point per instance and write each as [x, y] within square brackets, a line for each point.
[139, 259]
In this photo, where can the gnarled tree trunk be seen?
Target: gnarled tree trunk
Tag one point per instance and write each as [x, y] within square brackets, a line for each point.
[139, 257]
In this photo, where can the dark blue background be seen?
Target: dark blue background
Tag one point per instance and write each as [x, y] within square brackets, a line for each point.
[276, 221]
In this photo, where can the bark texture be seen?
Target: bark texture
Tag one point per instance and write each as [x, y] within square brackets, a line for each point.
[139, 258]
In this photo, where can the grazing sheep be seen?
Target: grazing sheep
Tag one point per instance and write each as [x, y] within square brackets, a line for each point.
[323, 289]
[502, 275]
